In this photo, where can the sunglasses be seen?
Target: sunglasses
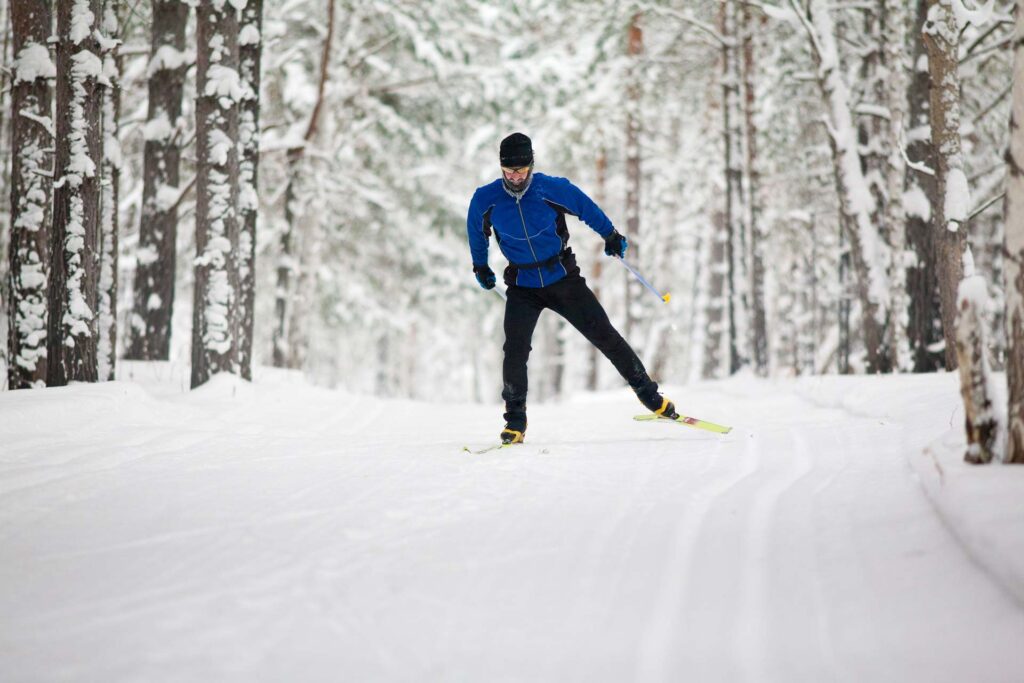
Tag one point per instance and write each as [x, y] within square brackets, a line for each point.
[520, 169]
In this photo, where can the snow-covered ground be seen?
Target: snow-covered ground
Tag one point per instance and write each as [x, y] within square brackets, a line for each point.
[278, 532]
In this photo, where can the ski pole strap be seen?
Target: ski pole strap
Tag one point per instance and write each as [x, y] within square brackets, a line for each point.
[664, 297]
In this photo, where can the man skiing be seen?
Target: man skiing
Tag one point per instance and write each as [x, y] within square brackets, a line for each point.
[526, 213]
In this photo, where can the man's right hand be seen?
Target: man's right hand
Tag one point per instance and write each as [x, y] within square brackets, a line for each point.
[485, 276]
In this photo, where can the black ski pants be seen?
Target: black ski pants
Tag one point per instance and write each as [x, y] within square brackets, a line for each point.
[572, 299]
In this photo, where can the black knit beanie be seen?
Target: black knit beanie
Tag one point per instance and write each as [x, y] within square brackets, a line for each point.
[516, 150]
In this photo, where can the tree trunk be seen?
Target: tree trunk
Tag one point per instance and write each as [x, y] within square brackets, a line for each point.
[895, 92]
[752, 173]
[716, 341]
[1013, 273]
[110, 194]
[153, 296]
[732, 132]
[218, 90]
[286, 271]
[286, 338]
[594, 357]
[31, 187]
[73, 332]
[634, 50]
[925, 323]
[949, 213]
[866, 248]
[972, 355]
[249, 52]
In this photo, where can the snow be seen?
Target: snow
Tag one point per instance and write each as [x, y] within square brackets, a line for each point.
[274, 531]
[916, 204]
[82, 20]
[958, 198]
[32, 62]
[220, 147]
[979, 15]
[169, 58]
[158, 128]
[249, 35]
[223, 82]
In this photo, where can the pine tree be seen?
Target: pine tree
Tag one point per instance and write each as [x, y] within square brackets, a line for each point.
[31, 138]
[109, 192]
[218, 91]
[249, 53]
[73, 330]
[153, 299]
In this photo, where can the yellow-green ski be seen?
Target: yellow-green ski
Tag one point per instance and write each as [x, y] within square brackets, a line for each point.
[685, 420]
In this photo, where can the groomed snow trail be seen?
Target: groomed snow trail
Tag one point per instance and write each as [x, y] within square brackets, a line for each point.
[279, 532]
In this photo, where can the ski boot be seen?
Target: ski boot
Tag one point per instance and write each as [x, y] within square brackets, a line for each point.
[659, 405]
[515, 429]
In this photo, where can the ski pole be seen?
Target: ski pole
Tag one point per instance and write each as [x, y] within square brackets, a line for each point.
[500, 293]
[664, 297]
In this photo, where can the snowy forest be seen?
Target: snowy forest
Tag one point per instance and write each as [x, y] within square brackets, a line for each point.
[824, 188]
[252, 373]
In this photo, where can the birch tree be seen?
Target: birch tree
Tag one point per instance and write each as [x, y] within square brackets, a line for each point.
[218, 91]
[153, 291]
[867, 250]
[1013, 272]
[31, 164]
[73, 329]
[949, 213]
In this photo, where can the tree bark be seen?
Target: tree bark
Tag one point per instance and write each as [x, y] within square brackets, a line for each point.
[972, 354]
[866, 246]
[895, 20]
[110, 194]
[752, 173]
[73, 330]
[941, 37]
[716, 342]
[288, 348]
[634, 50]
[218, 90]
[1013, 272]
[153, 296]
[594, 356]
[925, 323]
[732, 131]
[249, 53]
[31, 187]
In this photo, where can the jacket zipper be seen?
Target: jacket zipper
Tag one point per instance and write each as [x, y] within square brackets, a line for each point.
[528, 242]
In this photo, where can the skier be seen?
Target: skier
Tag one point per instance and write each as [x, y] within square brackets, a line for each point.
[526, 212]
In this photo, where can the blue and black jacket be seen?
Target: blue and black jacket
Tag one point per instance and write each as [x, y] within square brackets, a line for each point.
[530, 228]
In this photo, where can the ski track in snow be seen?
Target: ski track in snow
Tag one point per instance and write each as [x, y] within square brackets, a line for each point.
[297, 534]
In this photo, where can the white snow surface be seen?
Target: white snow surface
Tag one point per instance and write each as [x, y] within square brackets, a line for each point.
[276, 531]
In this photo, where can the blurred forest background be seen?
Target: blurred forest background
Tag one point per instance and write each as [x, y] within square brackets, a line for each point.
[808, 179]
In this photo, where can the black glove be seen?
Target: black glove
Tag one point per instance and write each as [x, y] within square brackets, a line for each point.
[615, 244]
[485, 276]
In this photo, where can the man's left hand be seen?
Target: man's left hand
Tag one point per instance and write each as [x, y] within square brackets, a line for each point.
[615, 244]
